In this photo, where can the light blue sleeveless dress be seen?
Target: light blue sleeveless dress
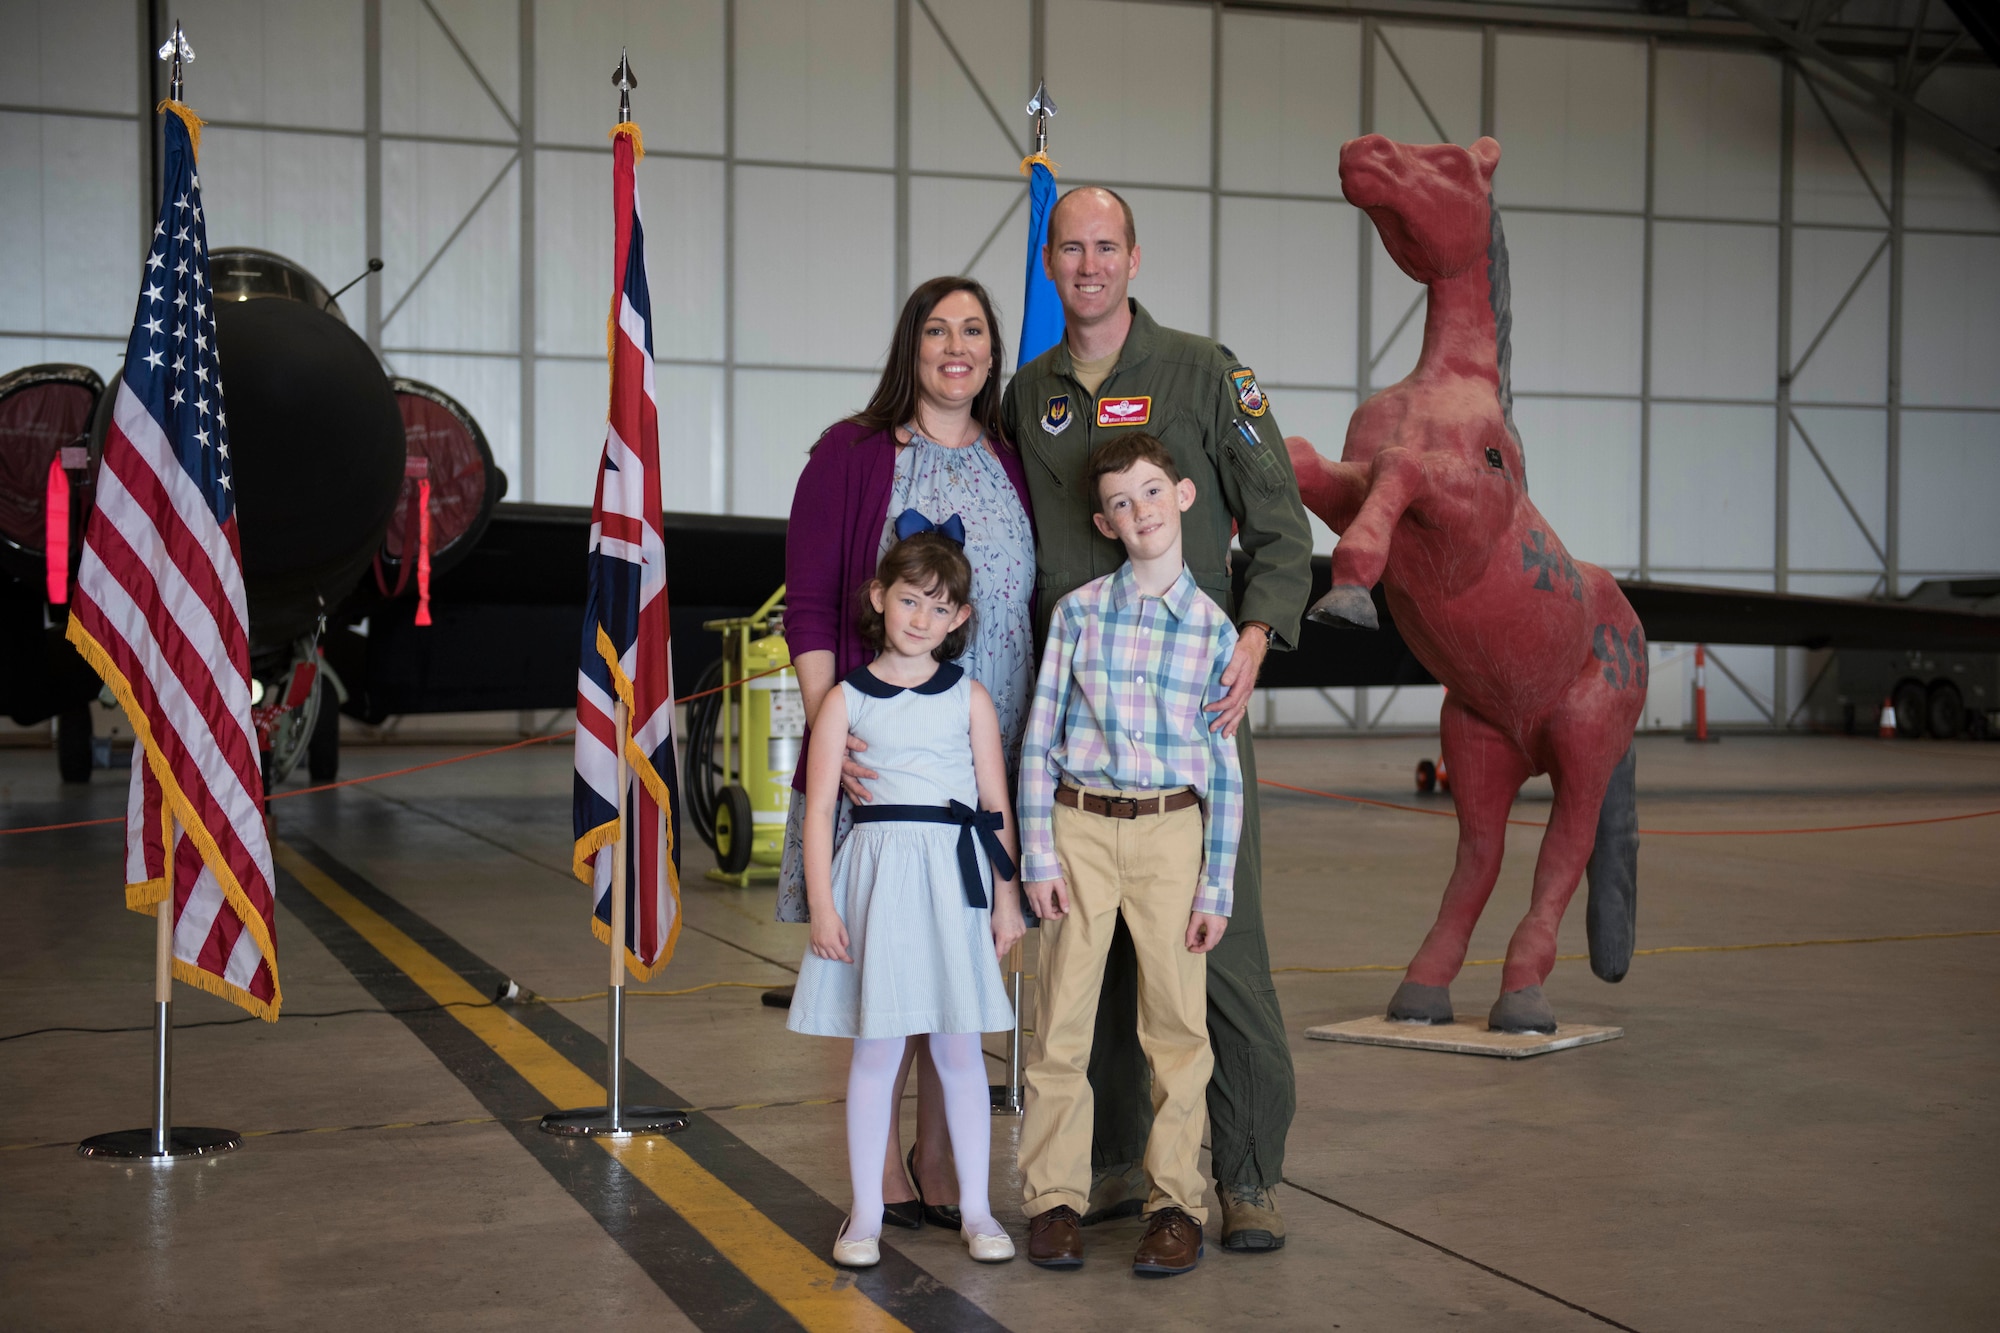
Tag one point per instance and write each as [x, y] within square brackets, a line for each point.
[937, 482]
[923, 956]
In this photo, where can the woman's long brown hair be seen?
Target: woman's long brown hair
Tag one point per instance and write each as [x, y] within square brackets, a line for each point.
[895, 400]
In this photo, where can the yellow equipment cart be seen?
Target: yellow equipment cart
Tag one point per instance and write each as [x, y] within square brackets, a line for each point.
[743, 745]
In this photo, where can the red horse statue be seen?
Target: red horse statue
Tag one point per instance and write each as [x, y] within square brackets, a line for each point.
[1543, 658]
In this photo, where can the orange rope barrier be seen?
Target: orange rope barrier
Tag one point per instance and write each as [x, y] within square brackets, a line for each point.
[397, 772]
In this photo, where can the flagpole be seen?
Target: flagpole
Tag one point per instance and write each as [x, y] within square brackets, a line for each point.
[615, 1119]
[162, 1142]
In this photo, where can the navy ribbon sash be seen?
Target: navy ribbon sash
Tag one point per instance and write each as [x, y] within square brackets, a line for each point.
[985, 825]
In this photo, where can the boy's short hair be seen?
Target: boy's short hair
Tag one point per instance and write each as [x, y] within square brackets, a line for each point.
[1119, 454]
[934, 565]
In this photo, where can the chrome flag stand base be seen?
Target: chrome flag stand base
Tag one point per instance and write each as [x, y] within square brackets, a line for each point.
[164, 1141]
[616, 1121]
[1007, 1096]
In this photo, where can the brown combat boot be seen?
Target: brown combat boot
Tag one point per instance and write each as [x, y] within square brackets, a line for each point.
[1055, 1239]
[1172, 1244]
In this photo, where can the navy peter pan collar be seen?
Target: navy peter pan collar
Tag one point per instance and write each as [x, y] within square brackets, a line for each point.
[861, 678]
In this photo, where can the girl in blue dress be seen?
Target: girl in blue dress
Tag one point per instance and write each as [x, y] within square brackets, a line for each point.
[912, 915]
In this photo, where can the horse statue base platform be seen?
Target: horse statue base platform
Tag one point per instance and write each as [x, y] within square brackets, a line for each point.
[1464, 1036]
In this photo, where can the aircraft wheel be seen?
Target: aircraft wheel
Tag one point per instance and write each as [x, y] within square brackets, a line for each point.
[1912, 709]
[1427, 776]
[73, 744]
[735, 830]
[1945, 710]
[323, 749]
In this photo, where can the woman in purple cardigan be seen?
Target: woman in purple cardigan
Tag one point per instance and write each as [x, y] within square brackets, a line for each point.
[929, 441]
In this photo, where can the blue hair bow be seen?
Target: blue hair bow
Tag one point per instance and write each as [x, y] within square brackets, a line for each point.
[909, 523]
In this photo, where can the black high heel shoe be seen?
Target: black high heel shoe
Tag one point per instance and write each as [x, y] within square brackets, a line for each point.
[937, 1214]
[909, 1214]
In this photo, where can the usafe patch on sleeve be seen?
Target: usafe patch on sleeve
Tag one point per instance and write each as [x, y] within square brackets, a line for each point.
[1124, 411]
[1251, 397]
[1055, 420]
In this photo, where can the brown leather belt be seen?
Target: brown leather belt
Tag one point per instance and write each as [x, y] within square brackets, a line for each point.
[1126, 807]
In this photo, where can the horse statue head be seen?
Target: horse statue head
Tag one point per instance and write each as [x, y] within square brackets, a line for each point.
[1432, 203]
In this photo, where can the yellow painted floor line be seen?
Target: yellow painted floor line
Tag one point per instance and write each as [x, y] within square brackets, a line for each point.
[805, 1285]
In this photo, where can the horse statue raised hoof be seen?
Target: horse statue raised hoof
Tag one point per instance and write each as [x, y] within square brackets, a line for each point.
[1543, 658]
[1421, 1004]
[1345, 606]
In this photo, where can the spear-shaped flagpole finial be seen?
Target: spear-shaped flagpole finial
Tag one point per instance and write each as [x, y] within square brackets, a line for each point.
[1041, 106]
[624, 80]
[178, 50]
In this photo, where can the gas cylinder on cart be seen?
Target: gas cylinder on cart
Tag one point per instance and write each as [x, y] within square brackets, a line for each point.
[771, 726]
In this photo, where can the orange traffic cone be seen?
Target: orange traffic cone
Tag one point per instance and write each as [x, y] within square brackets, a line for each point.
[1888, 725]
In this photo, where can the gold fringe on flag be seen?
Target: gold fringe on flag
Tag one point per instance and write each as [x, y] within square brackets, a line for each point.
[631, 127]
[1043, 158]
[189, 119]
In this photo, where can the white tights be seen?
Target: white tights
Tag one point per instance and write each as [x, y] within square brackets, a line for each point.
[871, 1101]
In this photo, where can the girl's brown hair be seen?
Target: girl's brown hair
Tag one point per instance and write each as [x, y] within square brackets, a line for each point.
[895, 400]
[933, 564]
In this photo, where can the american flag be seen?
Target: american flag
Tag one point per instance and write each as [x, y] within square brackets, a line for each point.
[159, 612]
[625, 627]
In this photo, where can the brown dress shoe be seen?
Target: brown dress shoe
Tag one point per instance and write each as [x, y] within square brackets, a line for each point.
[1172, 1244]
[1055, 1240]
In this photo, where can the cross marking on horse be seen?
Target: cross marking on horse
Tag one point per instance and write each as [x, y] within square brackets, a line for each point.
[1545, 562]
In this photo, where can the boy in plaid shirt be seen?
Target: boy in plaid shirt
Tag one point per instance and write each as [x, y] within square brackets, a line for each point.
[1116, 769]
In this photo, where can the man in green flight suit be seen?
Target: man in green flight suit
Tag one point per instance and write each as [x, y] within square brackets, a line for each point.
[1116, 370]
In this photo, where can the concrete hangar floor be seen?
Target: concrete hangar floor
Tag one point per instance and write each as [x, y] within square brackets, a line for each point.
[1797, 1138]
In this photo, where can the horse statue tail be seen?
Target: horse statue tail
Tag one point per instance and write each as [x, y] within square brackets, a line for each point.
[1611, 918]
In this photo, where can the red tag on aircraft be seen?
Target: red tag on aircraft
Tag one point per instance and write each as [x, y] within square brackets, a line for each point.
[1124, 411]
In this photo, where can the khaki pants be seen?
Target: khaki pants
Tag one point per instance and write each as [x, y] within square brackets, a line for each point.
[1145, 870]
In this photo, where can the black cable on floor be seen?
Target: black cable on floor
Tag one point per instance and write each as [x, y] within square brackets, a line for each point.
[252, 1018]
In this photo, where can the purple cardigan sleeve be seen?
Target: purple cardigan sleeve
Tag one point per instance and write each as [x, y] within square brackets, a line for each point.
[833, 490]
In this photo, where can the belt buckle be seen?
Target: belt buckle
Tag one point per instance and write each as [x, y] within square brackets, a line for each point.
[1121, 807]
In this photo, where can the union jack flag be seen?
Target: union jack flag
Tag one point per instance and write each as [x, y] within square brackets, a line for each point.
[625, 627]
[159, 612]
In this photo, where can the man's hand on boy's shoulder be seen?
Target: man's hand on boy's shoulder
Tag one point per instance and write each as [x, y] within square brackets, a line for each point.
[1050, 897]
[1240, 677]
[1204, 931]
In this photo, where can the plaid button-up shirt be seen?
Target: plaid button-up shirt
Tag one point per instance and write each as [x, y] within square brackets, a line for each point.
[1119, 705]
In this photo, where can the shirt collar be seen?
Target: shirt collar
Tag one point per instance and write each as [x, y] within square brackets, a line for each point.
[1177, 599]
[1139, 341]
[861, 678]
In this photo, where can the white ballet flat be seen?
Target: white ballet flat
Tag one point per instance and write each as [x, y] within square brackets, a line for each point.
[864, 1253]
[996, 1249]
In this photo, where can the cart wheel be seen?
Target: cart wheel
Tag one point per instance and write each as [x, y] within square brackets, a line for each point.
[1944, 710]
[73, 744]
[735, 830]
[1427, 776]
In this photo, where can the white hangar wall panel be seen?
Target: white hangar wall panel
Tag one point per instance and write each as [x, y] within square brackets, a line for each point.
[1849, 359]
[950, 222]
[570, 396]
[1951, 325]
[301, 195]
[1715, 310]
[1427, 84]
[1713, 487]
[816, 81]
[1289, 100]
[1716, 139]
[676, 51]
[1852, 450]
[295, 64]
[1577, 300]
[951, 127]
[72, 257]
[1132, 82]
[1288, 290]
[815, 267]
[1570, 115]
[1951, 473]
[1583, 474]
[779, 415]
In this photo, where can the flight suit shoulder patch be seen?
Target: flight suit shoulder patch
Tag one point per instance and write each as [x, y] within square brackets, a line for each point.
[1249, 397]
